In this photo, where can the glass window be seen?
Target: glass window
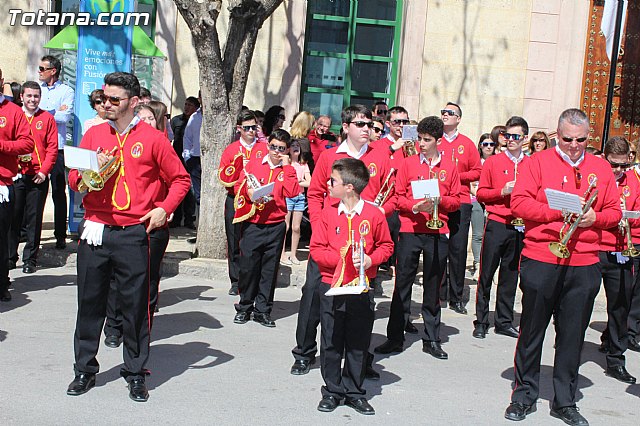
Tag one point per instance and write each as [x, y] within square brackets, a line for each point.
[328, 36]
[327, 73]
[377, 9]
[374, 40]
[329, 7]
[323, 104]
[369, 76]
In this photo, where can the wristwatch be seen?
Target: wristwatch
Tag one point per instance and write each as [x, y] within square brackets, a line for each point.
[391, 149]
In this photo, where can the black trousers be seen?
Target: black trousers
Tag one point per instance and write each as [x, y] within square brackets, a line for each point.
[158, 241]
[125, 253]
[59, 197]
[308, 314]
[347, 322]
[570, 292]
[433, 248]
[393, 222]
[618, 285]
[501, 246]
[6, 215]
[459, 223]
[634, 308]
[30, 199]
[260, 249]
[187, 207]
[233, 232]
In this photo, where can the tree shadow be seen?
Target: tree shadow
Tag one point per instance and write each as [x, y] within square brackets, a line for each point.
[169, 325]
[173, 296]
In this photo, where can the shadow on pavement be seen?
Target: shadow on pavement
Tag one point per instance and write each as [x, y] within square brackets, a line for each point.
[169, 325]
[22, 285]
[173, 296]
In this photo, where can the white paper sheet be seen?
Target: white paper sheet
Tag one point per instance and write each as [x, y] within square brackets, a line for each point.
[630, 214]
[567, 202]
[425, 188]
[410, 132]
[350, 289]
[80, 158]
[263, 191]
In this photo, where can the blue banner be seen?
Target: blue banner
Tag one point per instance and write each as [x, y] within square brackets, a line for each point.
[101, 50]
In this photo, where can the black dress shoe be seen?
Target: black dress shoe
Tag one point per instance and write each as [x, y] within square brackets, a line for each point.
[5, 296]
[480, 331]
[138, 390]
[28, 268]
[410, 328]
[61, 245]
[371, 374]
[633, 344]
[620, 373]
[507, 331]
[328, 404]
[242, 317]
[112, 341]
[264, 319]
[301, 366]
[233, 291]
[81, 384]
[517, 411]
[360, 405]
[434, 349]
[458, 307]
[570, 416]
[389, 347]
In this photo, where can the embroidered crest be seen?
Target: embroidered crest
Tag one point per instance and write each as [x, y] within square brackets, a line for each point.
[259, 154]
[461, 149]
[591, 178]
[365, 228]
[337, 230]
[241, 201]
[3, 121]
[626, 191]
[39, 125]
[136, 150]
[260, 207]
[281, 176]
[373, 170]
[443, 175]
[229, 171]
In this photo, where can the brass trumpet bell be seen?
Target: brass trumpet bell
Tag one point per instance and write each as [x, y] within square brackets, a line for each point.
[631, 252]
[559, 249]
[435, 224]
[94, 181]
[517, 222]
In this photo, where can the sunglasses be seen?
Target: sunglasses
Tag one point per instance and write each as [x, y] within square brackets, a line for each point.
[253, 127]
[278, 148]
[97, 101]
[398, 121]
[382, 111]
[512, 136]
[361, 124]
[448, 112]
[43, 69]
[621, 165]
[488, 144]
[282, 117]
[377, 129]
[333, 182]
[579, 140]
[114, 100]
[534, 140]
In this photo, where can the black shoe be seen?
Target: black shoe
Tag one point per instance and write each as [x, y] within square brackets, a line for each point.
[570, 416]
[28, 268]
[517, 411]
[242, 317]
[61, 245]
[264, 319]
[410, 328]
[301, 366]
[620, 373]
[112, 341]
[371, 374]
[360, 405]
[82, 383]
[458, 307]
[5, 296]
[507, 331]
[328, 404]
[480, 331]
[138, 390]
[434, 349]
[389, 347]
[233, 291]
[11, 264]
[633, 344]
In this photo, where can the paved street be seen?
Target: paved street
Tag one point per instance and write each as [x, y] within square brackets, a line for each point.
[207, 370]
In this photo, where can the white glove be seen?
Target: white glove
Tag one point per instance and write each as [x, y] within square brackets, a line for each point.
[16, 177]
[92, 233]
[519, 228]
[186, 154]
[4, 194]
[620, 258]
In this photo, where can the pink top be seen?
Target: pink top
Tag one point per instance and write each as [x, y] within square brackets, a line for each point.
[301, 170]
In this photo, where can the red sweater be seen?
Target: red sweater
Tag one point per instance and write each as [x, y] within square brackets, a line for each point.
[286, 186]
[548, 170]
[45, 134]
[318, 145]
[464, 152]
[151, 168]
[376, 161]
[396, 157]
[496, 172]
[448, 182]
[15, 139]
[259, 151]
[331, 233]
[612, 238]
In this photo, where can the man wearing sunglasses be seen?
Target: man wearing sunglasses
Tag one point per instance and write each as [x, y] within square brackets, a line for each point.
[356, 124]
[550, 284]
[147, 187]
[232, 162]
[502, 241]
[377, 130]
[464, 153]
[15, 139]
[57, 98]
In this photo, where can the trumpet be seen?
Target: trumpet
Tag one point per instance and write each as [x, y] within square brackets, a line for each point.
[385, 190]
[95, 181]
[560, 248]
[25, 158]
[357, 253]
[409, 148]
[253, 183]
[435, 222]
[518, 221]
[625, 229]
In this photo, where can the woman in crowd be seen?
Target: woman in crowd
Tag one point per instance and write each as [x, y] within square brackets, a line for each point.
[300, 127]
[497, 136]
[95, 100]
[539, 141]
[273, 119]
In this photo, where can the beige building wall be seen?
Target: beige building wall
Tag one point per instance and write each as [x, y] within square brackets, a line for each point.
[13, 59]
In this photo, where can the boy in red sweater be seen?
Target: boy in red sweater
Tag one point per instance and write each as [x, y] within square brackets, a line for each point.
[347, 320]
[617, 268]
[417, 239]
[502, 241]
[263, 228]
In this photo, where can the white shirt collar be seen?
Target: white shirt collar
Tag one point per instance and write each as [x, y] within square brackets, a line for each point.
[266, 159]
[357, 209]
[566, 158]
[424, 160]
[248, 146]
[27, 112]
[343, 148]
[451, 138]
[513, 158]
[131, 125]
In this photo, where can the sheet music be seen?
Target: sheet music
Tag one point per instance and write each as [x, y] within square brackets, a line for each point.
[410, 132]
[630, 214]
[80, 158]
[350, 289]
[567, 202]
[263, 191]
[425, 188]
